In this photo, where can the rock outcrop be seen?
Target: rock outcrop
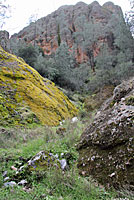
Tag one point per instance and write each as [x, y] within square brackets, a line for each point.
[106, 147]
[27, 98]
[4, 40]
[65, 22]
[41, 162]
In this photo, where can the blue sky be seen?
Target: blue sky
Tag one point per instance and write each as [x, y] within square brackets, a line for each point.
[23, 9]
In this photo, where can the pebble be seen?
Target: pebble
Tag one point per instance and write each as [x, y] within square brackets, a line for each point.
[10, 184]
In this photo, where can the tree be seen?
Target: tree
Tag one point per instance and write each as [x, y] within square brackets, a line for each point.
[65, 62]
[122, 37]
[4, 12]
[58, 35]
[29, 53]
[114, 62]
[88, 35]
[46, 67]
[60, 21]
[130, 17]
[33, 19]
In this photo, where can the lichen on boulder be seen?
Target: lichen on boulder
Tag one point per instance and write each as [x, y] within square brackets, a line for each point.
[43, 161]
[106, 147]
[26, 97]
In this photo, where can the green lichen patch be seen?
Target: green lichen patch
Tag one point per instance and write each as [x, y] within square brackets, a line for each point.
[42, 162]
[22, 86]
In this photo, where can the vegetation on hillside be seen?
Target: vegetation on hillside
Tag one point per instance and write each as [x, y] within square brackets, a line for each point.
[27, 98]
[113, 63]
[97, 76]
[19, 145]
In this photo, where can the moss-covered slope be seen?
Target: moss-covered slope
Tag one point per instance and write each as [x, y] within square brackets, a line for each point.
[26, 97]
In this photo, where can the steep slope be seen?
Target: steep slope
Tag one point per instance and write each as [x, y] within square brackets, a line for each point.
[26, 97]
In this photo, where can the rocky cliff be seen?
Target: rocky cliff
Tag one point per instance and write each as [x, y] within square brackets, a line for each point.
[28, 98]
[65, 23]
[4, 40]
[107, 145]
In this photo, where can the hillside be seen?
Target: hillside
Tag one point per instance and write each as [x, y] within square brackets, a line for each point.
[28, 98]
[67, 107]
[82, 47]
[66, 22]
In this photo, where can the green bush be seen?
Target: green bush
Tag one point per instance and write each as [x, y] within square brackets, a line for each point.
[29, 53]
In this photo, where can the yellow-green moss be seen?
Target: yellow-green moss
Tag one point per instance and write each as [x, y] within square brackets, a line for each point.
[22, 86]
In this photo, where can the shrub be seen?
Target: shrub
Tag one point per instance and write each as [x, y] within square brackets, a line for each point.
[29, 54]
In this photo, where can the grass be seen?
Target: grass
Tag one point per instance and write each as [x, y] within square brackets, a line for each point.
[17, 144]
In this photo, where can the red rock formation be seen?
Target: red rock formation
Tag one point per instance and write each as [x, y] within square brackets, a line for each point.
[45, 30]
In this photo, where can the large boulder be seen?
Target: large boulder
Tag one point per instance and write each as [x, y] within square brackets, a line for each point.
[106, 147]
[27, 98]
[38, 164]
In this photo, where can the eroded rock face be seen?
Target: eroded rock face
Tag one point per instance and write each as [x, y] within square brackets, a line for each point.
[44, 31]
[4, 40]
[107, 146]
[27, 98]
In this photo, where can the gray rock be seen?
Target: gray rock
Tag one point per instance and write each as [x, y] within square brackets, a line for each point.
[4, 40]
[6, 179]
[106, 147]
[10, 184]
[4, 174]
[22, 182]
[43, 161]
[63, 163]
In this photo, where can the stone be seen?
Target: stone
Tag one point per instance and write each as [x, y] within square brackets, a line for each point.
[4, 40]
[10, 184]
[45, 160]
[6, 179]
[106, 147]
[74, 119]
[4, 174]
[63, 163]
[13, 168]
[41, 162]
[22, 182]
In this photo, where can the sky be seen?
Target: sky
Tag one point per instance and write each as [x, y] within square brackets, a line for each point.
[22, 10]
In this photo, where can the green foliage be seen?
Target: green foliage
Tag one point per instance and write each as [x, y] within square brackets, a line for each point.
[64, 62]
[60, 67]
[113, 66]
[46, 67]
[130, 101]
[29, 54]
[113, 63]
[88, 35]
[52, 184]
[130, 17]
[58, 35]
